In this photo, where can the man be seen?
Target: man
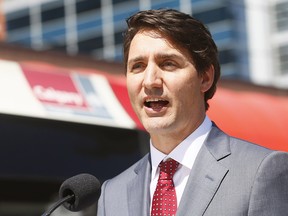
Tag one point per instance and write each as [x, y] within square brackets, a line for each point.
[172, 70]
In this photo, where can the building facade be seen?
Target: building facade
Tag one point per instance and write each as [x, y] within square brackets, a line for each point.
[251, 36]
[268, 41]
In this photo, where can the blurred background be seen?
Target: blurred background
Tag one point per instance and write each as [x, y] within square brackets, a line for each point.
[63, 100]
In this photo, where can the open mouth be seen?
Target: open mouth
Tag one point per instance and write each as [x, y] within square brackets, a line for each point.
[156, 104]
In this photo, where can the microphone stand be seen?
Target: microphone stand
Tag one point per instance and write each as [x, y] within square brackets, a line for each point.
[57, 204]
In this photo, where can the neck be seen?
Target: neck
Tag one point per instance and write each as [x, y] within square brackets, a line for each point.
[167, 142]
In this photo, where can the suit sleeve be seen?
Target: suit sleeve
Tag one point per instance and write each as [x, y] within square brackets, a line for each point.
[269, 194]
[101, 202]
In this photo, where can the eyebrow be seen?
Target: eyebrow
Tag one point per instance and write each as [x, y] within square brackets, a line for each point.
[136, 59]
[169, 56]
[158, 56]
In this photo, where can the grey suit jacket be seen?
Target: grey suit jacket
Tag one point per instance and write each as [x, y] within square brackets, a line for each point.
[230, 177]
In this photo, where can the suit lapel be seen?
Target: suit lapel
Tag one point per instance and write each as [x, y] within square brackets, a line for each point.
[138, 189]
[206, 175]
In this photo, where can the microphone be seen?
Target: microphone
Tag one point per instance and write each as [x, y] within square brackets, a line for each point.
[77, 193]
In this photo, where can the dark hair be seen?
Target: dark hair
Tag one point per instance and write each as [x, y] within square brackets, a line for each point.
[184, 31]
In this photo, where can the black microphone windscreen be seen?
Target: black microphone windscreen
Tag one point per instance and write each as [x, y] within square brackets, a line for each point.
[84, 187]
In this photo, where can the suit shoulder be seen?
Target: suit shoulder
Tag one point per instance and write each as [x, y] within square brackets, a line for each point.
[240, 144]
[249, 151]
[219, 141]
[244, 145]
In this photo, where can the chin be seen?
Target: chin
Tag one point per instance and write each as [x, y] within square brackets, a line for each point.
[157, 127]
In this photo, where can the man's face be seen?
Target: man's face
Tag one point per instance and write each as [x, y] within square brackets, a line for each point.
[165, 90]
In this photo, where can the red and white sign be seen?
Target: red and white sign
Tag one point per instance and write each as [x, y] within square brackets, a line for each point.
[55, 88]
[46, 91]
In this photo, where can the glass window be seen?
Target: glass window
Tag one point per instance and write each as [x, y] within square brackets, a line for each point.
[166, 4]
[282, 16]
[14, 21]
[87, 5]
[214, 15]
[119, 1]
[283, 52]
[227, 34]
[26, 42]
[88, 45]
[226, 56]
[52, 14]
[118, 37]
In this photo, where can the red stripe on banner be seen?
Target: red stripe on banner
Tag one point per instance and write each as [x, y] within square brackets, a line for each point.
[120, 90]
[257, 117]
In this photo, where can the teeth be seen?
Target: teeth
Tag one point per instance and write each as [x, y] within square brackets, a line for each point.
[156, 103]
[153, 100]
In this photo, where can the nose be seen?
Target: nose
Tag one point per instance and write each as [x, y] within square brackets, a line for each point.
[152, 77]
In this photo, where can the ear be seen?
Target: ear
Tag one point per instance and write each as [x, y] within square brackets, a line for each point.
[207, 79]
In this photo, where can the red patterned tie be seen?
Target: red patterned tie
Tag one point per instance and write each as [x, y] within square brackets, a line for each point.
[164, 202]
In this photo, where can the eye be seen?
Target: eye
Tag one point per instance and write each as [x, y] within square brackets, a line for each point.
[137, 67]
[169, 65]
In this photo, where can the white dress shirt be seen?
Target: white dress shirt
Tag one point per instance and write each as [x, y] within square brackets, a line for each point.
[185, 153]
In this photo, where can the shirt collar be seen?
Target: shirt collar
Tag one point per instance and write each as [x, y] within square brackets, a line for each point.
[185, 153]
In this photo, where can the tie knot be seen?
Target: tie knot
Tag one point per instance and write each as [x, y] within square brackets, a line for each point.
[168, 169]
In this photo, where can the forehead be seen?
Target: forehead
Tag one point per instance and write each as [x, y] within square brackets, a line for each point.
[150, 35]
[147, 41]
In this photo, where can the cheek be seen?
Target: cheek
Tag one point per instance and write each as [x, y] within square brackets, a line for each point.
[131, 93]
[187, 94]
[133, 88]
[130, 84]
[134, 81]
